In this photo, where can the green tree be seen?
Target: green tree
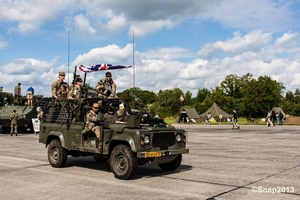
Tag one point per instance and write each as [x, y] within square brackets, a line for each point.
[261, 95]
[201, 94]
[145, 96]
[188, 98]
[168, 103]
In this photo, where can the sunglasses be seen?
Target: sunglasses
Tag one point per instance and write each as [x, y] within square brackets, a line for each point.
[108, 76]
[96, 107]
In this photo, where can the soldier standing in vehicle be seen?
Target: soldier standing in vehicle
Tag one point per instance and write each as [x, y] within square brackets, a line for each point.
[59, 88]
[17, 93]
[92, 118]
[14, 123]
[107, 87]
[75, 90]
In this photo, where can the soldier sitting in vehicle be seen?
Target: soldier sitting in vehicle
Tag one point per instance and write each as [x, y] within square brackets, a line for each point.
[93, 119]
[110, 116]
[121, 113]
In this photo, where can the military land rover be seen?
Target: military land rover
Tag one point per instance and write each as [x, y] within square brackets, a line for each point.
[136, 140]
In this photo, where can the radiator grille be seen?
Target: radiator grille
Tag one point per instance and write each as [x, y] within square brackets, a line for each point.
[163, 140]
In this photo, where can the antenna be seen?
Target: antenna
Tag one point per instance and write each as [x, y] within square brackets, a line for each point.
[133, 68]
[68, 56]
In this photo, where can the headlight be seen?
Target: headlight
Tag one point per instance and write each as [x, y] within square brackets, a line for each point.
[147, 139]
[178, 138]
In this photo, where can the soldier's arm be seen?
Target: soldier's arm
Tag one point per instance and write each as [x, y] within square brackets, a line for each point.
[99, 85]
[53, 90]
[113, 87]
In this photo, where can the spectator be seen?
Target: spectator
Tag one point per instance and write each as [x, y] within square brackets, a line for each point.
[235, 120]
[207, 119]
[30, 93]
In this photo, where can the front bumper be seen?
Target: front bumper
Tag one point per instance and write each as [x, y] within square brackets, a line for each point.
[164, 153]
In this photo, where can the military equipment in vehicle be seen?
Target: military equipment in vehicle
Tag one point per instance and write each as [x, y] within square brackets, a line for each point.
[25, 113]
[137, 140]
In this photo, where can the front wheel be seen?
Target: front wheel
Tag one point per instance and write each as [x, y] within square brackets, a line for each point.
[57, 155]
[171, 166]
[122, 162]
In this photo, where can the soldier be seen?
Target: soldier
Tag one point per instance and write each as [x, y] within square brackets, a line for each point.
[110, 116]
[106, 87]
[14, 123]
[59, 88]
[76, 89]
[121, 113]
[30, 93]
[92, 119]
[17, 93]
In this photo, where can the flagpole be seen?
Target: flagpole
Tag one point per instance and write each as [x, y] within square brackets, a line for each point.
[68, 56]
[133, 75]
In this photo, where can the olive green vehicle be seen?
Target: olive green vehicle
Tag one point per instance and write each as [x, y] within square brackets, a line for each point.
[137, 140]
[25, 113]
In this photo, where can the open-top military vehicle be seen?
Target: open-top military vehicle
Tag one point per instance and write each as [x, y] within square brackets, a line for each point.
[137, 140]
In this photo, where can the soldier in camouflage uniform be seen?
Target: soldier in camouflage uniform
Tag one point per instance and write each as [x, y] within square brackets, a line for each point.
[17, 93]
[75, 90]
[92, 118]
[107, 87]
[14, 123]
[59, 88]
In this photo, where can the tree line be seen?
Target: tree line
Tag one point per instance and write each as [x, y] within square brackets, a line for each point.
[252, 98]
[249, 96]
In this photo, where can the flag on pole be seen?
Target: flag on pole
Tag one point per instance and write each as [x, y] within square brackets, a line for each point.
[101, 67]
[181, 98]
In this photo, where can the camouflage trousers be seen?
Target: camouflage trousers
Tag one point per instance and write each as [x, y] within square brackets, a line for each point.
[13, 128]
[96, 130]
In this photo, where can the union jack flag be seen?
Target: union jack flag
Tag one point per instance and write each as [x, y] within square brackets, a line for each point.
[100, 67]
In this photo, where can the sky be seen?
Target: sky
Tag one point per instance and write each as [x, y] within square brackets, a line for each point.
[191, 44]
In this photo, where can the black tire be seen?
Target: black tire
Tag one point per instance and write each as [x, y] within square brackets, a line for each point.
[122, 162]
[57, 155]
[171, 166]
[100, 159]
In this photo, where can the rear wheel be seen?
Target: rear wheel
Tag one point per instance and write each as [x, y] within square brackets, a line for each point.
[171, 166]
[122, 162]
[57, 155]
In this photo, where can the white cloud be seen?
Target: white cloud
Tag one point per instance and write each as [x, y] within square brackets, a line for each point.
[252, 41]
[3, 44]
[83, 25]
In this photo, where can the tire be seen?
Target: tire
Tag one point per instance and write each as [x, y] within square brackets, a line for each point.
[122, 162]
[171, 166]
[57, 155]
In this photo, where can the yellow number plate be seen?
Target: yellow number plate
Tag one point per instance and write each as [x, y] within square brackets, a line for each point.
[152, 154]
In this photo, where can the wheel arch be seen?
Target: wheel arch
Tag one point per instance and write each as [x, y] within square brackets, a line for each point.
[55, 135]
[115, 143]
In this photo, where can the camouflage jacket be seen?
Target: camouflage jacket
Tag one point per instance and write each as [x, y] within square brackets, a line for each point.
[108, 85]
[60, 89]
[74, 92]
[92, 118]
[14, 118]
[17, 90]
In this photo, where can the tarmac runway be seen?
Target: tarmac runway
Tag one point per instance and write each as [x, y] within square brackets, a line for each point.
[254, 162]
